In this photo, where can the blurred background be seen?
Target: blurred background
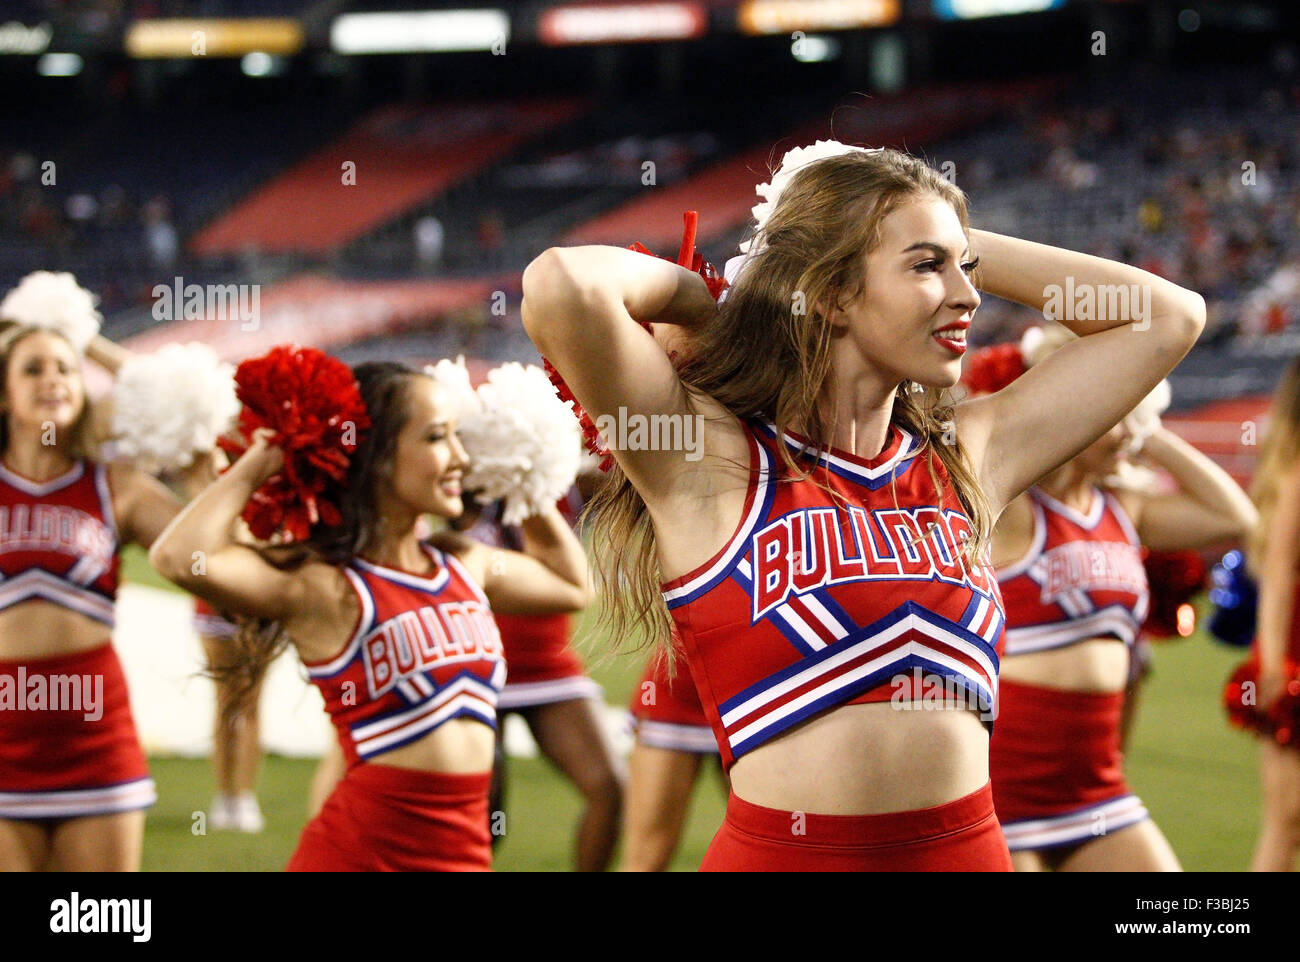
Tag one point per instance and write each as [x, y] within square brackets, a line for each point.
[371, 177]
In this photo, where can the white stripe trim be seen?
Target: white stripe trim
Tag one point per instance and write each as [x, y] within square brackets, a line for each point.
[1124, 520]
[340, 661]
[36, 583]
[1041, 637]
[527, 694]
[462, 697]
[71, 804]
[43, 488]
[907, 447]
[696, 739]
[368, 731]
[850, 652]
[1084, 521]
[738, 542]
[1037, 542]
[106, 501]
[436, 582]
[451, 561]
[1077, 826]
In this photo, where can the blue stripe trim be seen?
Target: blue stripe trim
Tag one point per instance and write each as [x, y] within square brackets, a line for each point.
[848, 473]
[469, 673]
[903, 611]
[465, 711]
[774, 617]
[904, 664]
[742, 551]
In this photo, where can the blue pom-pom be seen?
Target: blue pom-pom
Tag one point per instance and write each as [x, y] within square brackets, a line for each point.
[1234, 597]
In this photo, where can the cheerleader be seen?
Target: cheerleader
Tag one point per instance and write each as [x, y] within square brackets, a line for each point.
[1264, 695]
[820, 548]
[1068, 555]
[549, 688]
[236, 747]
[396, 632]
[673, 742]
[74, 783]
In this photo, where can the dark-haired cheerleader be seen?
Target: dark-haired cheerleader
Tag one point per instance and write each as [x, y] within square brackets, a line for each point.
[397, 632]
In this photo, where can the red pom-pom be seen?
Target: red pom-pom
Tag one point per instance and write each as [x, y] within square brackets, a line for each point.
[1175, 577]
[313, 405]
[990, 369]
[1241, 696]
[686, 257]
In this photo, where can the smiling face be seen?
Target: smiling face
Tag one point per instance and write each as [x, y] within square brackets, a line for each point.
[909, 320]
[43, 385]
[428, 460]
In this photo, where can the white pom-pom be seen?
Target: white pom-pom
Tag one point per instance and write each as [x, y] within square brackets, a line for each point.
[54, 301]
[794, 161]
[170, 405]
[454, 376]
[524, 442]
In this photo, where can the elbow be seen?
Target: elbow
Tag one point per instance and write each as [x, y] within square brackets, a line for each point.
[543, 279]
[1187, 318]
[168, 562]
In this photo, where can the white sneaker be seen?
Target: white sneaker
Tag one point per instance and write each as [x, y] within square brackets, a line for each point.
[236, 814]
[247, 814]
[221, 814]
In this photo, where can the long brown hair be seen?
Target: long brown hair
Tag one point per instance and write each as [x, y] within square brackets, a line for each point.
[768, 354]
[384, 389]
[81, 439]
[1278, 452]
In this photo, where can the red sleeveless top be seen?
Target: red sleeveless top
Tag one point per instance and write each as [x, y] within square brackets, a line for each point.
[814, 604]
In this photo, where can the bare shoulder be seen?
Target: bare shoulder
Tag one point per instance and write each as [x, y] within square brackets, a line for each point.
[474, 555]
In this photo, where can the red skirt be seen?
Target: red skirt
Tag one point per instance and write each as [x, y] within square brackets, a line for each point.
[959, 836]
[543, 667]
[666, 713]
[381, 818]
[68, 744]
[1056, 767]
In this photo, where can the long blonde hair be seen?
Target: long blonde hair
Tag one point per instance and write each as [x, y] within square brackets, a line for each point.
[1278, 451]
[768, 354]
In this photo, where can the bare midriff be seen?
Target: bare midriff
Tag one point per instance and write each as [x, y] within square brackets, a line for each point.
[1098, 665]
[868, 759]
[42, 629]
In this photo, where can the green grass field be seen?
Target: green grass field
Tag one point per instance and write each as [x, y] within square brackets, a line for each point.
[1197, 776]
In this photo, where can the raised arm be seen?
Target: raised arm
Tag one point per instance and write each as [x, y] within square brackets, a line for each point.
[198, 550]
[1067, 401]
[1208, 508]
[580, 307]
[547, 577]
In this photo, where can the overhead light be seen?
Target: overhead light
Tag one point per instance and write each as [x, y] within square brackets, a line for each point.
[58, 65]
[973, 9]
[420, 32]
[624, 22]
[757, 17]
[815, 48]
